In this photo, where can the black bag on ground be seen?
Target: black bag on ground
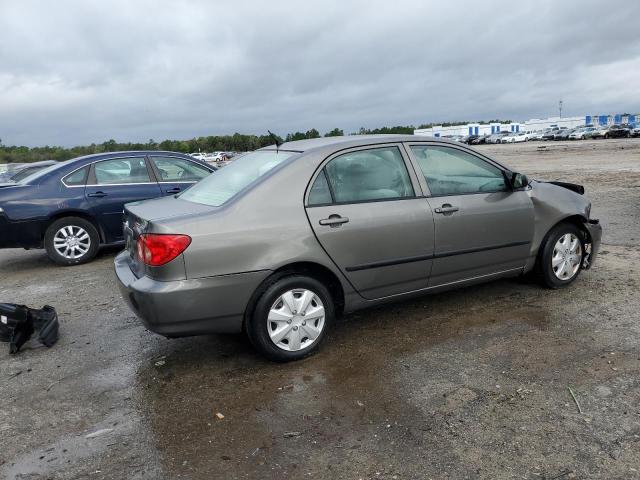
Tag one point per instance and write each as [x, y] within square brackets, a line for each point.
[19, 322]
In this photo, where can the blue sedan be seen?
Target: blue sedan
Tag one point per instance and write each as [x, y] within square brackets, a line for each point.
[74, 207]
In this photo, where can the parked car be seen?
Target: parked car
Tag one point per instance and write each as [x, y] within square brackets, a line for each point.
[596, 133]
[536, 135]
[20, 171]
[73, 207]
[496, 137]
[518, 137]
[635, 132]
[617, 131]
[199, 156]
[480, 140]
[563, 134]
[581, 133]
[550, 133]
[284, 239]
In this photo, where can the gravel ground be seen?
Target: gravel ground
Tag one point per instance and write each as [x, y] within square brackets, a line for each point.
[472, 383]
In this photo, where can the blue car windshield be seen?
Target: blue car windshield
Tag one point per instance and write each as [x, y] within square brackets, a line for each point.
[218, 188]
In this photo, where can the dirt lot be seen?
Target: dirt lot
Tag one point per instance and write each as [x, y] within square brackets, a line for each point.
[467, 384]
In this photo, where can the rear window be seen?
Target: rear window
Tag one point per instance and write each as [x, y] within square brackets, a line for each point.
[41, 173]
[217, 189]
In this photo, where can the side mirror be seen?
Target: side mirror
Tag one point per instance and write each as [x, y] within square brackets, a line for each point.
[518, 180]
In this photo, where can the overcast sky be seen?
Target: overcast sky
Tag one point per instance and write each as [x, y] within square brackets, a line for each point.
[76, 72]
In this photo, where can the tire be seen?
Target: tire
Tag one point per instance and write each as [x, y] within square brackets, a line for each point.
[264, 333]
[556, 249]
[83, 241]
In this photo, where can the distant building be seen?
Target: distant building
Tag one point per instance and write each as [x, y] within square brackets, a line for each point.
[534, 124]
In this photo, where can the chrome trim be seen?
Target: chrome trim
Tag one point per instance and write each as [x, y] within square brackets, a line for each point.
[476, 277]
[193, 181]
[120, 158]
[119, 184]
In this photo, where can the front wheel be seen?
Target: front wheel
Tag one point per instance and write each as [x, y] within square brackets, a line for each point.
[291, 318]
[71, 241]
[561, 256]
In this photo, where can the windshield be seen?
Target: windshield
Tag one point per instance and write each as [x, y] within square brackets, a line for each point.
[217, 189]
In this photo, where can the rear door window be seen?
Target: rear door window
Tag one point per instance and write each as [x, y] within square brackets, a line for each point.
[172, 169]
[119, 171]
[368, 175]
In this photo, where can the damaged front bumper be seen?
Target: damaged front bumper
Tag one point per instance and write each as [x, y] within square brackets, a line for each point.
[592, 244]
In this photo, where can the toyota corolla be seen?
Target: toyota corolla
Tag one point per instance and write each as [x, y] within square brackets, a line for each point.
[287, 238]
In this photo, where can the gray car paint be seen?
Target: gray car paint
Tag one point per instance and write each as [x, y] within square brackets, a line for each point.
[268, 228]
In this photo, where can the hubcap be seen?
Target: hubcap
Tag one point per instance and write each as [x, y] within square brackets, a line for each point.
[296, 320]
[71, 242]
[567, 256]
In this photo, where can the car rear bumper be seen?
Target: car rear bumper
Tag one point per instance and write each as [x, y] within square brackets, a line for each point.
[188, 307]
[27, 234]
[595, 236]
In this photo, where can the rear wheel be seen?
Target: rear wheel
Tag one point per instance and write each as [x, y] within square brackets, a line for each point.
[71, 241]
[290, 318]
[561, 256]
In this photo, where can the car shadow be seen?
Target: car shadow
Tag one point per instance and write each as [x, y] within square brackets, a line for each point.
[36, 259]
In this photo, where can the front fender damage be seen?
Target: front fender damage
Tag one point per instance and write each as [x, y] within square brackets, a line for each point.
[593, 231]
[556, 202]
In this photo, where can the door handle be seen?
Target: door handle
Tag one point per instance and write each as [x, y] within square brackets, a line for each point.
[334, 220]
[171, 191]
[97, 194]
[446, 208]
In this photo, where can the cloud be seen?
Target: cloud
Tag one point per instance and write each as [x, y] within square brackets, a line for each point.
[76, 72]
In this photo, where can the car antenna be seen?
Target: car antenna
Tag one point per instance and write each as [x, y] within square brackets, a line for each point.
[275, 138]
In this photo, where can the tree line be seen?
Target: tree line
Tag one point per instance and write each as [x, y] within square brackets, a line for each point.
[228, 143]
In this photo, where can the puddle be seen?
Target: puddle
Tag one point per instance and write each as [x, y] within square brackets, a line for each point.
[298, 418]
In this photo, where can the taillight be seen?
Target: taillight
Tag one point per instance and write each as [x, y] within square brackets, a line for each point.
[157, 249]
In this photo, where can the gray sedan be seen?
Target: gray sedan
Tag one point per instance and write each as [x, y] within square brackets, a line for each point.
[287, 238]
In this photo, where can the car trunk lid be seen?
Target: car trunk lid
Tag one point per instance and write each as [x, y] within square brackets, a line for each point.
[146, 217]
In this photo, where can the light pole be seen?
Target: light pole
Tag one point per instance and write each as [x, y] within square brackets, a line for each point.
[560, 107]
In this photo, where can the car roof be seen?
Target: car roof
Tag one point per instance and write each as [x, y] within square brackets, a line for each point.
[133, 153]
[348, 141]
